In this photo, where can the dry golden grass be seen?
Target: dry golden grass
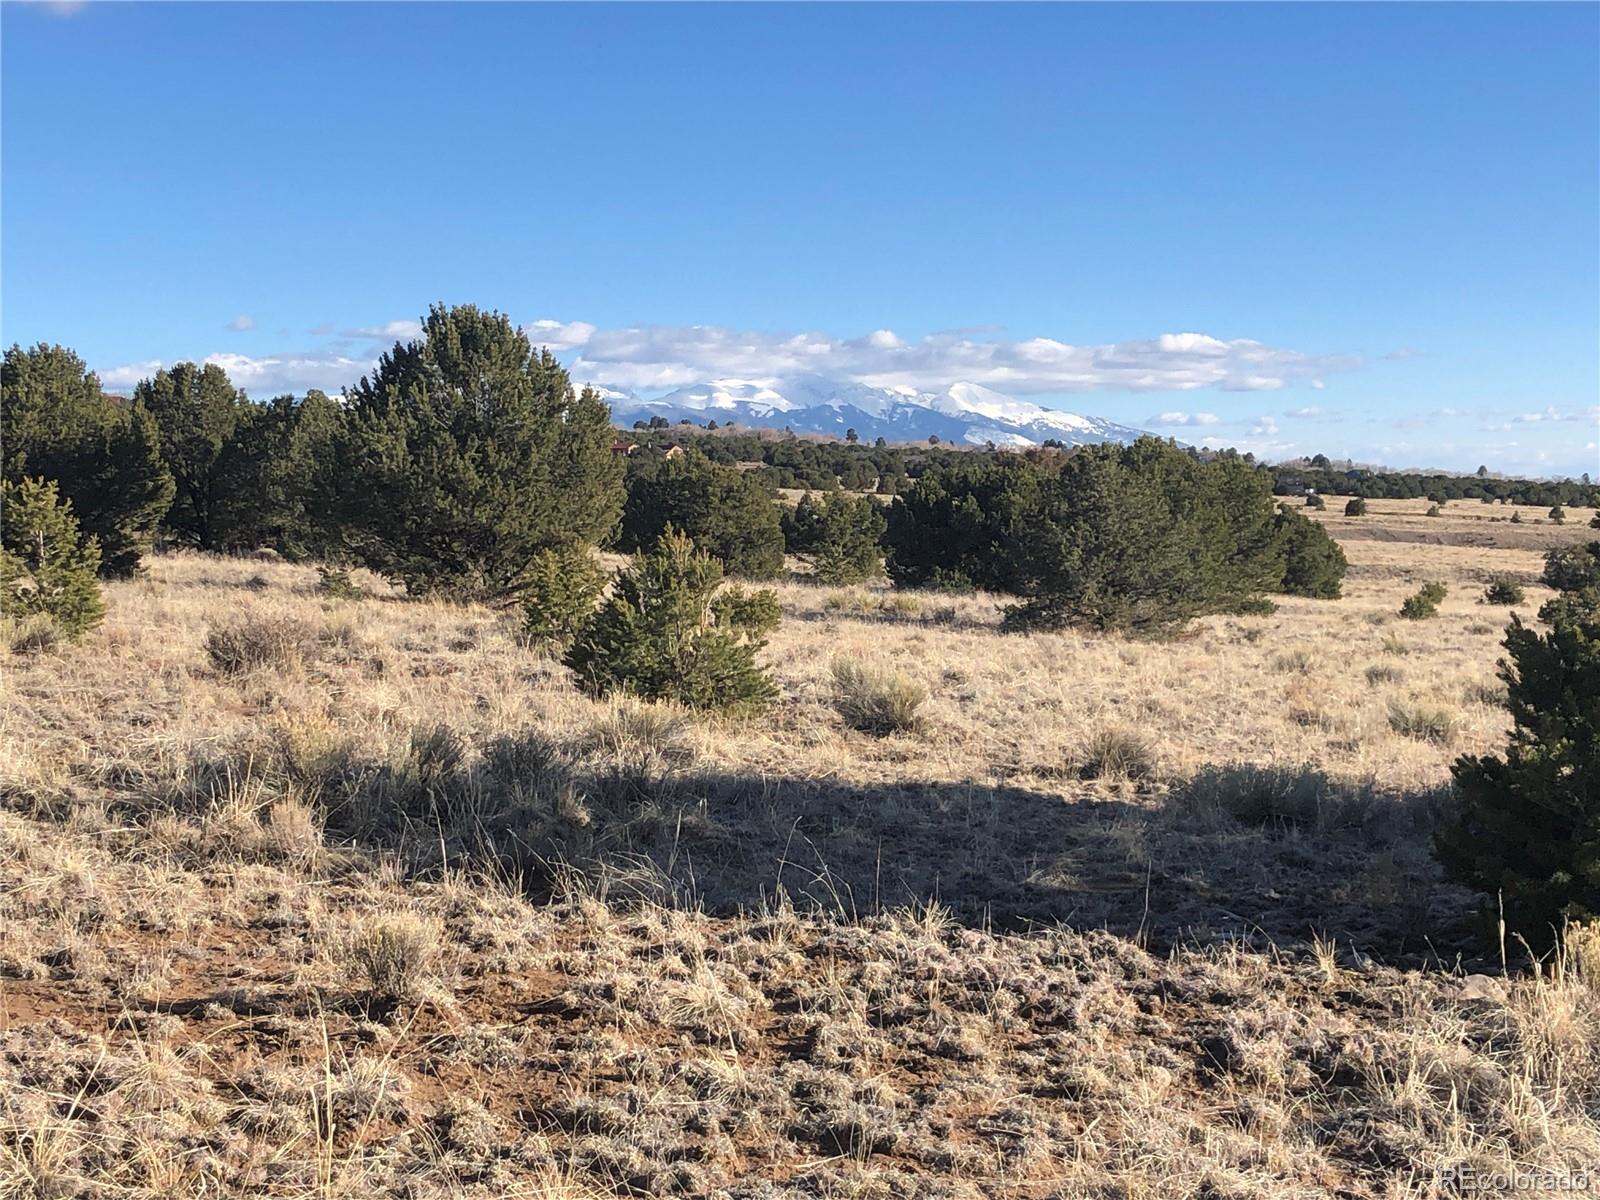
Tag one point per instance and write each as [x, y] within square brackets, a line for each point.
[304, 896]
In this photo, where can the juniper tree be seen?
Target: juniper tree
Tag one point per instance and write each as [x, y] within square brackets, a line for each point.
[1528, 830]
[1143, 537]
[1503, 589]
[1572, 568]
[841, 534]
[564, 582]
[966, 523]
[666, 634]
[1424, 603]
[299, 443]
[724, 511]
[104, 456]
[261, 491]
[1313, 563]
[465, 454]
[198, 411]
[47, 565]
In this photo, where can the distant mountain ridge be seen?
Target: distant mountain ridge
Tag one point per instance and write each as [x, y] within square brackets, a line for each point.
[963, 413]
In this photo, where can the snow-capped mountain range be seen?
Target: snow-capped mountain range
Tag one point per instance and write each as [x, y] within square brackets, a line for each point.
[963, 413]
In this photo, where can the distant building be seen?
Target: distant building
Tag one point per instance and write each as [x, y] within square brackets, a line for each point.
[623, 447]
[673, 451]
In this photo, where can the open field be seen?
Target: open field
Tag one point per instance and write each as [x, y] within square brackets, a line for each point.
[395, 910]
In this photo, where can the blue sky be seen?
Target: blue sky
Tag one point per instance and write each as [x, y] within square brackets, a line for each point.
[1381, 222]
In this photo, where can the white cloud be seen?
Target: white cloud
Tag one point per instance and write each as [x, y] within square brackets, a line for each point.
[390, 331]
[558, 335]
[59, 8]
[1253, 383]
[1191, 343]
[261, 376]
[662, 357]
[242, 323]
[277, 373]
[129, 374]
[648, 357]
[1264, 427]
[1168, 419]
[1552, 413]
[1309, 413]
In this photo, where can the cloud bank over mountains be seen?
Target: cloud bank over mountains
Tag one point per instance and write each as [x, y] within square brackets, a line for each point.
[656, 357]
[648, 361]
[662, 357]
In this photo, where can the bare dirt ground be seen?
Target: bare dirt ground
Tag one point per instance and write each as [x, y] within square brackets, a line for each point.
[392, 910]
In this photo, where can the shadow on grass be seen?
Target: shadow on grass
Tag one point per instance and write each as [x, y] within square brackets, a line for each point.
[1236, 852]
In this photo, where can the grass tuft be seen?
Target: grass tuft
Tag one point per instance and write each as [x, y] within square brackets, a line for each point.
[255, 643]
[876, 699]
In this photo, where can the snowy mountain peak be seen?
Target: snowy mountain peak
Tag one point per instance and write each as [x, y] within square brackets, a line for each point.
[966, 413]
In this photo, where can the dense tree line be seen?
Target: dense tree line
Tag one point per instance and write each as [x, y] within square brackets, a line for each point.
[966, 523]
[1296, 479]
[451, 468]
[820, 464]
[187, 458]
[798, 463]
[245, 473]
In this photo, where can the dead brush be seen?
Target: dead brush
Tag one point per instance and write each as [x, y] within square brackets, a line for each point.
[256, 642]
[292, 832]
[1581, 954]
[436, 753]
[528, 763]
[632, 735]
[33, 634]
[1117, 755]
[394, 955]
[1299, 661]
[637, 749]
[1262, 795]
[903, 604]
[1423, 722]
[877, 700]
[313, 750]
